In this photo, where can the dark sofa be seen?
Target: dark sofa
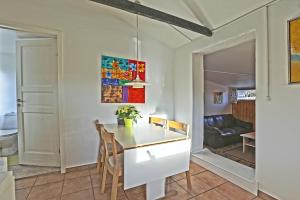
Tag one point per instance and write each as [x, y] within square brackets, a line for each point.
[223, 130]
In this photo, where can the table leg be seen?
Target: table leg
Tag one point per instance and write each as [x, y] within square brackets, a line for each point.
[155, 189]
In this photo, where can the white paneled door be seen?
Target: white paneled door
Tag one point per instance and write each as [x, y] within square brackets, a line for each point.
[37, 102]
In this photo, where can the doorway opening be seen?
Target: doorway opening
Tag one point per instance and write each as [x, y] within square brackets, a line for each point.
[28, 103]
[229, 168]
[229, 103]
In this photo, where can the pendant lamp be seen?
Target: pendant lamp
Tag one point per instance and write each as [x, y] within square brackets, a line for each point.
[137, 82]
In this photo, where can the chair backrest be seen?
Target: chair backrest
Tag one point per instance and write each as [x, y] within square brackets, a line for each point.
[178, 126]
[157, 121]
[98, 126]
[109, 139]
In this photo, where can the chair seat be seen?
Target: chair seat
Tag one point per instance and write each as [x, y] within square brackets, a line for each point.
[119, 148]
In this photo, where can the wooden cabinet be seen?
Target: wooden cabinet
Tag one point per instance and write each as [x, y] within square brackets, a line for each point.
[245, 111]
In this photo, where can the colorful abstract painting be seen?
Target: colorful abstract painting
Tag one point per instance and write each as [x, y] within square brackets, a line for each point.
[294, 44]
[115, 73]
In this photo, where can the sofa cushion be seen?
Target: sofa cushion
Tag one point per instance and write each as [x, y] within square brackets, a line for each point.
[240, 130]
[243, 124]
[229, 121]
[227, 131]
[219, 121]
[209, 121]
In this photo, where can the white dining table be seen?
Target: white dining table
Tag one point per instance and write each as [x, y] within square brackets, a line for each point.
[151, 154]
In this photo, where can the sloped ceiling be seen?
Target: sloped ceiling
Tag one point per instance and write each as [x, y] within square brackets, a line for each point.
[210, 13]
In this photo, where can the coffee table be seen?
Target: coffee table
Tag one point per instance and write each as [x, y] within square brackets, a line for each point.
[248, 140]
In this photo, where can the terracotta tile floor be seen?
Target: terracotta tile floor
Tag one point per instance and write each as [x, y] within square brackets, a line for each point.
[83, 183]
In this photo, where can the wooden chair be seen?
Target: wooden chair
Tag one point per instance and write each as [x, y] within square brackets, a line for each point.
[184, 129]
[112, 164]
[100, 157]
[101, 152]
[178, 127]
[157, 121]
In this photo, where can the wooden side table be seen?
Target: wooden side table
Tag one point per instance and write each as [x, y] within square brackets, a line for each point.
[248, 140]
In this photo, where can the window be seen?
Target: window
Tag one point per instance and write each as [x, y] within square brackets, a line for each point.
[245, 94]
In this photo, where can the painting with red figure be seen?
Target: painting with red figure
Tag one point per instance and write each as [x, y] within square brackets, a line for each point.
[115, 73]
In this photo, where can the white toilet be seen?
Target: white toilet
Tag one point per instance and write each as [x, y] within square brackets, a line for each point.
[8, 134]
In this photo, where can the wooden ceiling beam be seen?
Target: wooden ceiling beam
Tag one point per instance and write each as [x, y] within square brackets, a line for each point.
[156, 15]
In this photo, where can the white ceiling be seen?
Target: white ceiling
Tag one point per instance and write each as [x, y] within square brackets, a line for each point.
[211, 13]
[233, 67]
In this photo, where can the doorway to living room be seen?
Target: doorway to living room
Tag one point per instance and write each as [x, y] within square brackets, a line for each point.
[229, 168]
[229, 103]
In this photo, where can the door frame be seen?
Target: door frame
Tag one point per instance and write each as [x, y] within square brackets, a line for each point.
[198, 100]
[198, 71]
[59, 38]
[198, 84]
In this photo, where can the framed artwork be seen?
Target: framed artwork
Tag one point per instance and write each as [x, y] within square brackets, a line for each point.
[115, 73]
[218, 97]
[294, 50]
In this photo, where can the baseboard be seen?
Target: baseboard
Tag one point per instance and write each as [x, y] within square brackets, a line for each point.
[266, 195]
[63, 170]
[79, 165]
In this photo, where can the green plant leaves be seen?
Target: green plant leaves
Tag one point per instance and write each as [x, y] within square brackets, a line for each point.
[128, 112]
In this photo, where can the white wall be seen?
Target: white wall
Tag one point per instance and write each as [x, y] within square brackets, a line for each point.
[278, 135]
[278, 120]
[215, 109]
[88, 32]
[7, 72]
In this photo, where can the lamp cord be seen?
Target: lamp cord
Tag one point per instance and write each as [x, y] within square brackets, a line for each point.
[137, 37]
[137, 42]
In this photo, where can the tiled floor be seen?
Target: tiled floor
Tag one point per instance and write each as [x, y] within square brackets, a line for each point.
[83, 183]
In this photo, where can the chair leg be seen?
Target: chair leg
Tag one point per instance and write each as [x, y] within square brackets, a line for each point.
[188, 179]
[99, 164]
[103, 181]
[114, 189]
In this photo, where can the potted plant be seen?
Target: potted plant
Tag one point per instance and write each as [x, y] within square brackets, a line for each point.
[129, 113]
